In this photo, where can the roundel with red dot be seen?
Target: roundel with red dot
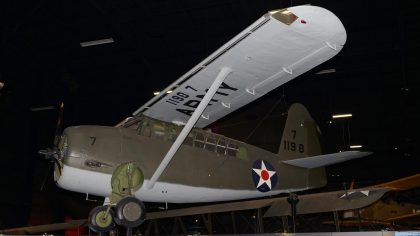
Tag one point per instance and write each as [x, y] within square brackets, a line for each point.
[264, 175]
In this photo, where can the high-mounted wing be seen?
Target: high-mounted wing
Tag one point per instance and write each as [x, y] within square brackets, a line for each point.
[278, 47]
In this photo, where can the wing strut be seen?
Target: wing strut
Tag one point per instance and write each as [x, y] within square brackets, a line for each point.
[224, 72]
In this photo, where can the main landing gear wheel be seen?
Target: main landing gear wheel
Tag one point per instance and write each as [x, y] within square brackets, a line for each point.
[130, 212]
[101, 219]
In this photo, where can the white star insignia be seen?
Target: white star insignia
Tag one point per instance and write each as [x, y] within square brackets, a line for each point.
[365, 193]
[265, 175]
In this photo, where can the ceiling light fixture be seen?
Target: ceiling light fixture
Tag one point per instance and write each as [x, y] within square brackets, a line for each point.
[96, 42]
[339, 116]
[355, 146]
[42, 108]
[326, 71]
[158, 92]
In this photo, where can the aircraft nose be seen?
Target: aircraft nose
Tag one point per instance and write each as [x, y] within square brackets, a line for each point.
[60, 156]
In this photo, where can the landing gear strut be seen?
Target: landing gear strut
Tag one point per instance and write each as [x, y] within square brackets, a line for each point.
[293, 201]
[124, 209]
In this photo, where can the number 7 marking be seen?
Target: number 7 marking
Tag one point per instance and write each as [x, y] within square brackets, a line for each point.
[189, 87]
[294, 133]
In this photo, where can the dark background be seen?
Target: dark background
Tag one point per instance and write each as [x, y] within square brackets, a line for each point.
[156, 41]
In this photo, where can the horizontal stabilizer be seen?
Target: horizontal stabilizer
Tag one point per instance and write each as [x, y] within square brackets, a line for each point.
[327, 159]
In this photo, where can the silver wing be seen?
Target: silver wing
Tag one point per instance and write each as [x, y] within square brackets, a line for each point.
[278, 47]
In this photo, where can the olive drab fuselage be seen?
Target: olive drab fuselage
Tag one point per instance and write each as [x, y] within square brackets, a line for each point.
[205, 160]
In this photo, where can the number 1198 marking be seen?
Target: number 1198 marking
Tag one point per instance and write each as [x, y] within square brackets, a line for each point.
[291, 146]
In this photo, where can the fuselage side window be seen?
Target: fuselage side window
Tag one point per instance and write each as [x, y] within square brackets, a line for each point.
[172, 133]
[232, 149]
[221, 146]
[159, 131]
[199, 140]
[140, 125]
[210, 143]
[144, 129]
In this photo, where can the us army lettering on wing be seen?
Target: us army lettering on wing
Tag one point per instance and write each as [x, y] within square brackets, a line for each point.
[191, 104]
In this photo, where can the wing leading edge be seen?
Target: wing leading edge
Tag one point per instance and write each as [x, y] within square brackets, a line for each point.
[278, 47]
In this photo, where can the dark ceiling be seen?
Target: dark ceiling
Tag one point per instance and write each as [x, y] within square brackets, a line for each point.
[42, 63]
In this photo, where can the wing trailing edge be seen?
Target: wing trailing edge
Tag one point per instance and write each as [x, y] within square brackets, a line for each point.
[327, 159]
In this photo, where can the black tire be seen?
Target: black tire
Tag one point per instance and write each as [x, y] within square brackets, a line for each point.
[130, 212]
[97, 221]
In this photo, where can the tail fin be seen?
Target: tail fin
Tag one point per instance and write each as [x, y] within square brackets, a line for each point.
[300, 135]
[300, 139]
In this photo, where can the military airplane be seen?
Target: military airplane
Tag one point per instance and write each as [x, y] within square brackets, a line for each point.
[163, 154]
[390, 211]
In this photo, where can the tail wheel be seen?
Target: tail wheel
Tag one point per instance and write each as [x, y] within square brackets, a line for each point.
[101, 219]
[130, 212]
